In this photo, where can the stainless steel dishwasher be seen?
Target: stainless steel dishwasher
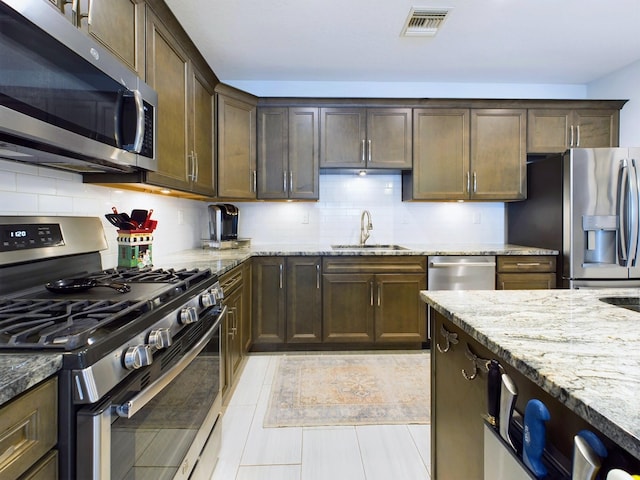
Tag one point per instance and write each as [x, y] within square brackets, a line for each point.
[461, 272]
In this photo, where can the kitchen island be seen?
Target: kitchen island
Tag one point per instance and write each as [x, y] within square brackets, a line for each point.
[567, 346]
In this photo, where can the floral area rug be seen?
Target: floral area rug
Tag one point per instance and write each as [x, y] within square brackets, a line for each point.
[350, 389]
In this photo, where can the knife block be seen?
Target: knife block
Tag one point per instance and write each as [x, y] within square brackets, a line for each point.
[134, 249]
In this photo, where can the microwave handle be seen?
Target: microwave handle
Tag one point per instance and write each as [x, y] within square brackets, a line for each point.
[129, 408]
[137, 144]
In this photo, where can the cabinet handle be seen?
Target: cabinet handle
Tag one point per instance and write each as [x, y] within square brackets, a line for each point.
[363, 149]
[284, 181]
[76, 15]
[318, 276]
[468, 182]
[196, 167]
[255, 182]
[290, 181]
[571, 139]
[281, 269]
[189, 166]
[451, 338]
[379, 294]
[369, 151]
[478, 363]
[231, 312]
[475, 182]
[578, 141]
[371, 293]
[529, 264]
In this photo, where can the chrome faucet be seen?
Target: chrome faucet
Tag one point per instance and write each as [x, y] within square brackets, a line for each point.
[365, 228]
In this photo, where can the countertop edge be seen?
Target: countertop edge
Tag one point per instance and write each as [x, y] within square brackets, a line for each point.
[20, 372]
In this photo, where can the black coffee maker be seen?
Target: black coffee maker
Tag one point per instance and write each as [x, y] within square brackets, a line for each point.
[223, 225]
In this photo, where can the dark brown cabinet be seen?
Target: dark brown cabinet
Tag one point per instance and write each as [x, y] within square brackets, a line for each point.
[555, 130]
[185, 129]
[286, 300]
[237, 176]
[373, 300]
[288, 153]
[524, 272]
[232, 284]
[468, 154]
[365, 138]
[116, 24]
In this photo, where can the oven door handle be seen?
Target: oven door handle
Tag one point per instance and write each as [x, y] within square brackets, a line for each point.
[129, 408]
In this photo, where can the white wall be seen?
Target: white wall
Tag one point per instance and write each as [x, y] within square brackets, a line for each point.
[619, 85]
[29, 190]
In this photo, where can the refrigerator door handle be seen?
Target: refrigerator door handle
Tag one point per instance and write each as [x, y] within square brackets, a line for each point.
[633, 214]
[624, 188]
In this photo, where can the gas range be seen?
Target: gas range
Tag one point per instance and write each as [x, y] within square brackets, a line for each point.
[127, 352]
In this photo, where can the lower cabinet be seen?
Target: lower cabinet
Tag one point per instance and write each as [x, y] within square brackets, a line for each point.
[286, 300]
[525, 272]
[28, 434]
[232, 284]
[374, 300]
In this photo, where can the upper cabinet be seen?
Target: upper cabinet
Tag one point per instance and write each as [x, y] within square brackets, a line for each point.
[116, 24]
[288, 153]
[555, 130]
[185, 129]
[237, 176]
[365, 138]
[467, 154]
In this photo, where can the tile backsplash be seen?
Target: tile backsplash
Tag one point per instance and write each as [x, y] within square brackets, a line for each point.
[31, 190]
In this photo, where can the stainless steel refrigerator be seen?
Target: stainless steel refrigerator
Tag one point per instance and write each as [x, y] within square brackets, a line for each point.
[584, 203]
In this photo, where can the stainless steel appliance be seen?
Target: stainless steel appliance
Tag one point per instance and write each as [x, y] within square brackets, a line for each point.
[139, 389]
[461, 272]
[66, 101]
[223, 225]
[584, 203]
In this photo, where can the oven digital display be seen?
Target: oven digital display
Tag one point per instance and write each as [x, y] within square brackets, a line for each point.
[22, 237]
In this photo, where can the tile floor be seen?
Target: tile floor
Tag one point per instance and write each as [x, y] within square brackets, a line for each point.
[251, 452]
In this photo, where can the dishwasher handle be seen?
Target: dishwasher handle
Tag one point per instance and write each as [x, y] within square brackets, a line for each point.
[461, 264]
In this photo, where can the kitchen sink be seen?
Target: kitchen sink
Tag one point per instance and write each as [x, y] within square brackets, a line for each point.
[630, 303]
[368, 247]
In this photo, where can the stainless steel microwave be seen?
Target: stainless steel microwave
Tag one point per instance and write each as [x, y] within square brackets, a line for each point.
[65, 100]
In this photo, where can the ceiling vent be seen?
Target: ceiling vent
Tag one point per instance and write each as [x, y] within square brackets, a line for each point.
[424, 22]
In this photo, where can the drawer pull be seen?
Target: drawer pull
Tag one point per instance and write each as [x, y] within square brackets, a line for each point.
[451, 338]
[529, 264]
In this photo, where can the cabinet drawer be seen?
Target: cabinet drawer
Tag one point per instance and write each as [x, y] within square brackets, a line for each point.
[231, 280]
[28, 429]
[525, 281]
[45, 469]
[526, 264]
[362, 264]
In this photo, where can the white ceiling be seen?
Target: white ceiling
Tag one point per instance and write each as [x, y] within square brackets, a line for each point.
[481, 41]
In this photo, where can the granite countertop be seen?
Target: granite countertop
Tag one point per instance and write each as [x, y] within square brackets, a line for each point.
[582, 351]
[220, 261]
[22, 371]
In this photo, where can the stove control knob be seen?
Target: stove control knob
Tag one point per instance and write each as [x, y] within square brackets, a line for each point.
[208, 299]
[188, 315]
[218, 292]
[137, 357]
[160, 338]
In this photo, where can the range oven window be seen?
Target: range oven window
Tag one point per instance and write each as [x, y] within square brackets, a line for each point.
[164, 437]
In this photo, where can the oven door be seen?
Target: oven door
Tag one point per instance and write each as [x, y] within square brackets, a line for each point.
[158, 428]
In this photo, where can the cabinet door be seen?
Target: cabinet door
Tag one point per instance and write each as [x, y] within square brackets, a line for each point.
[304, 156]
[389, 138]
[119, 26]
[348, 307]
[596, 128]
[401, 315]
[245, 321]
[548, 130]
[498, 154]
[236, 148]
[268, 317]
[343, 137]
[234, 337]
[167, 72]
[440, 155]
[304, 300]
[273, 153]
[203, 133]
